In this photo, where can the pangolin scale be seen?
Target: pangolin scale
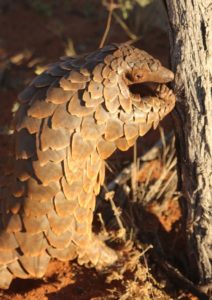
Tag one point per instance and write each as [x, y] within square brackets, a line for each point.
[71, 118]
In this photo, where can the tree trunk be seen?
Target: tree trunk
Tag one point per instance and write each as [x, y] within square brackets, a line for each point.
[190, 36]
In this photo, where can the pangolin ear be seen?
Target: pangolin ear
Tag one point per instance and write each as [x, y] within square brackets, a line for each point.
[154, 66]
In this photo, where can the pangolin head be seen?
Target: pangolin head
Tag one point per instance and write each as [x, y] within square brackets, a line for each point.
[134, 87]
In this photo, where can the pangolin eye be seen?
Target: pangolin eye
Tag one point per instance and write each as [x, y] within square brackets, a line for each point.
[138, 76]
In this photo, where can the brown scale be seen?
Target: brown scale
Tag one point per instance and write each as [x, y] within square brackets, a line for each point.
[71, 118]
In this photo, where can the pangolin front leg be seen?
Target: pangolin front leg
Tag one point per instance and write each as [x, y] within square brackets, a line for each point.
[71, 119]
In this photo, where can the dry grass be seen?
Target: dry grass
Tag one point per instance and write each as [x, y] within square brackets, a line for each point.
[161, 186]
[145, 188]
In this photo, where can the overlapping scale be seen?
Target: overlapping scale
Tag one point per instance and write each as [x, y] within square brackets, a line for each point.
[62, 119]
[131, 131]
[36, 224]
[14, 224]
[91, 102]
[114, 129]
[38, 192]
[37, 208]
[17, 270]
[59, 224]
[105, 148]
[26, 240]
[64, 207]
[25, 144]
[5, 278]
[68, 85]
[64, 254]
[41, 109]
[75, 108]
[42, 80]
[35, 265]
[77, 77]
[56, 70]
[101, 115]
[122, 144]
[53, 139]
[50, 155]
[80, 148]
[57, 95]
[90, 130]
[50, 172]
[59, 241]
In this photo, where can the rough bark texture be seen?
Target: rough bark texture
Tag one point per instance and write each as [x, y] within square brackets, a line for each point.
[190, 24]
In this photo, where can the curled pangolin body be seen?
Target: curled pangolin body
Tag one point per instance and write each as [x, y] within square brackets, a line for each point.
[71, 118]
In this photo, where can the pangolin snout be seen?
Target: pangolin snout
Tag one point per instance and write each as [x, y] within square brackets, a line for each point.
[164, 75]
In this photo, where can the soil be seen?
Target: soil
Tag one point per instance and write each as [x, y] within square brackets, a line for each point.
[33, 34]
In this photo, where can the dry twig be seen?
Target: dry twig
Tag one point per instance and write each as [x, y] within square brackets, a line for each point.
[110, 7]
[124, 26]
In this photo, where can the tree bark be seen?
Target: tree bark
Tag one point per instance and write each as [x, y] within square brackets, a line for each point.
[190, 36]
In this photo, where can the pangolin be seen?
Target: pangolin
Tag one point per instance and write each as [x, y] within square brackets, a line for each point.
[71, 118]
